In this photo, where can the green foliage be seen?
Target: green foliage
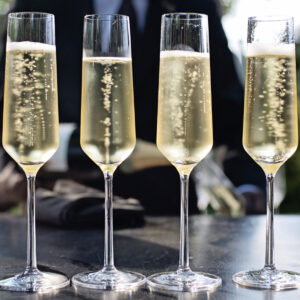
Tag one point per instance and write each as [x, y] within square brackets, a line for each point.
[225, 6]
[5, 6]
[16, 210]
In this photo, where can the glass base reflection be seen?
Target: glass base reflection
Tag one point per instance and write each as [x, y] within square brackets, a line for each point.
[184, 281]
[266, 278]
[35, 281]
[109, 280]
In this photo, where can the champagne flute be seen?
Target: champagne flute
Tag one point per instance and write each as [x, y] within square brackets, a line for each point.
[184, 126]
[270, 133]
[107, 126]
[30, 124]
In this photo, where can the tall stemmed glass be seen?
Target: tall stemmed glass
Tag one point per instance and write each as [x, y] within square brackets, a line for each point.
[30, 124]
[107, 126]
[270, 134]
[184, 126]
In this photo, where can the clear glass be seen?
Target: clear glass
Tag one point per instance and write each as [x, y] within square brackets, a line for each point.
[270, 132]
[184, 126]
[107, 133]
[30, 125]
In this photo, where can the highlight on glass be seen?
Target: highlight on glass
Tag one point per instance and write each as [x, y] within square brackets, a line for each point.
[270, 132]
[184, 126]
[107, 133]
[30, 125]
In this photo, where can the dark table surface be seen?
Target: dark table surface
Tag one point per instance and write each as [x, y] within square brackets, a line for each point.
[218, 245]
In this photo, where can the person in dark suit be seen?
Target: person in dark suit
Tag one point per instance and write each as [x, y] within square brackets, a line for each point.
[157, 187]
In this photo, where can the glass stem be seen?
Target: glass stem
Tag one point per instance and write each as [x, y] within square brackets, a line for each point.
[184, 226]
[31, 266]
[108, 230]
[269, 262]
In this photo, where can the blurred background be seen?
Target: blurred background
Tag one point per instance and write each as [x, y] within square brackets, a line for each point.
[218, 194]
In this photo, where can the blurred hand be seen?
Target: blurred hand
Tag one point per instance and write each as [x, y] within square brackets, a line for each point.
[12, 186]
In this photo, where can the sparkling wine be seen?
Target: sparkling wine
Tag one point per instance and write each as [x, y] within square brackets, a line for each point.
[107, 114]
[30, 119]
[270, 118]
[184, 132]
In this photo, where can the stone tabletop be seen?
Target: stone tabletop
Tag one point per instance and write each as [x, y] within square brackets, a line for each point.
[218, 245]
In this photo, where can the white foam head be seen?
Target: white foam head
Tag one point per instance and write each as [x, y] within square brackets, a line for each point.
[182, 53]
[107, 59]
[29, 46]
[254, 49]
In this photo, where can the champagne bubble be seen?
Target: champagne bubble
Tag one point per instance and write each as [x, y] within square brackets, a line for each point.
[267, 79]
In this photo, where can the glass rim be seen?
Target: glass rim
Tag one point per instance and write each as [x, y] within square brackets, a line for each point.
[185, 16]
[30, 15]
[271, 18]
[105, 17]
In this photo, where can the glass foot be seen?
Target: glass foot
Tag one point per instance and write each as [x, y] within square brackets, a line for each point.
[268, 279]
[109, 280]
[184, 281]
[35, 281]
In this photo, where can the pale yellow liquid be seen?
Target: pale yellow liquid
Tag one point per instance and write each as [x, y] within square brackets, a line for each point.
[30, 119]
[270, 134]
[107, 113]
[184, 125]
